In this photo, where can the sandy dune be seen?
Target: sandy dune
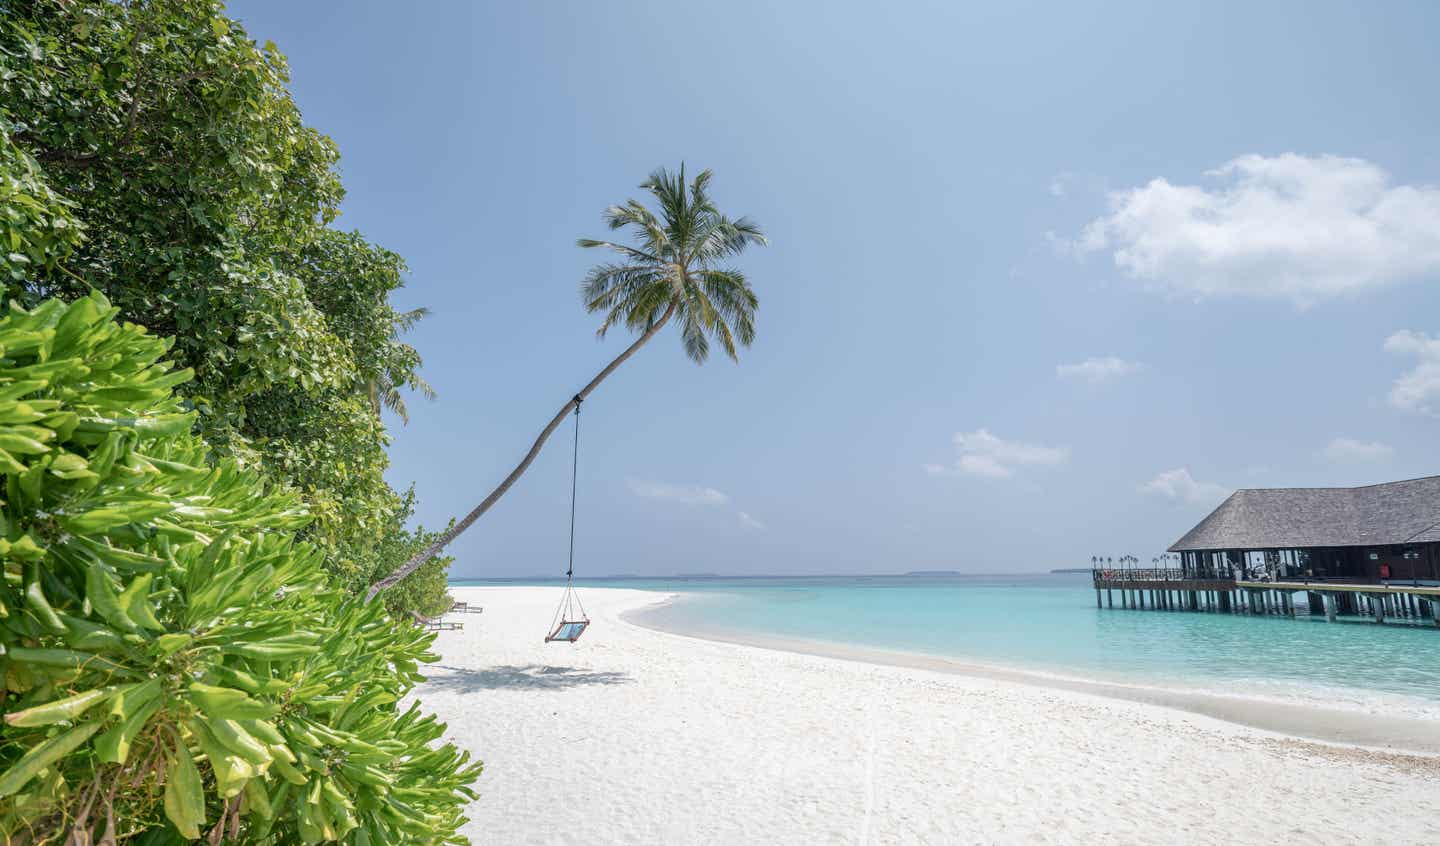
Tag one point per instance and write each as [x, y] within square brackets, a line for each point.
[637, 736]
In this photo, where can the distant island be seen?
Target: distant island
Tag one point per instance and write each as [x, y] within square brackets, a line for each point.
[934, 573]
[697, 576]
[1072, 570]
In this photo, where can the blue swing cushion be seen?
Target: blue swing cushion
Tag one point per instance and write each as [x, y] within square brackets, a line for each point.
[568, 631]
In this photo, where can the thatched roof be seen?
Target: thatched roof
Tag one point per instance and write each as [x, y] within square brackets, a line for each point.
[1288, 518]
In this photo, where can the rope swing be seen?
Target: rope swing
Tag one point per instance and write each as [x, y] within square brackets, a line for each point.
[570, 621]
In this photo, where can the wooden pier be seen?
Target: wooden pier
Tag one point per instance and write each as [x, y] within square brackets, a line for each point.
[1177, 590]
[1371, 552]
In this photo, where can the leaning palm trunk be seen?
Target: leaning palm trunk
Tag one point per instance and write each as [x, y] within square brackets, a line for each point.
[454, 531]
[676, 271]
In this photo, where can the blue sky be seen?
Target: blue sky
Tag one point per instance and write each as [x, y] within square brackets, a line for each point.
[1045, 281]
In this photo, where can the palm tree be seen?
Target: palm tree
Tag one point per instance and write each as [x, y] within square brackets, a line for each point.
[384, 390]
[675, 270]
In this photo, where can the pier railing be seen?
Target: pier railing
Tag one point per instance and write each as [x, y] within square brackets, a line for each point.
[1160, 574]
[1159, 579]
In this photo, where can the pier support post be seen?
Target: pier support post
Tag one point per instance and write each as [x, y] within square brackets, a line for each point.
[1377, 604]
[1110, 597]
[1329, 602]
[1097, 598]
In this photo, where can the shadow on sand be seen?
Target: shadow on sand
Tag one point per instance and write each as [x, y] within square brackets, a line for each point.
[512, 677]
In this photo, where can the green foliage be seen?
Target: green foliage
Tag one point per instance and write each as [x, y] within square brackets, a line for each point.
[37, 228]
[206, 206]
[677, 267]
[174, 661]
[426, 591]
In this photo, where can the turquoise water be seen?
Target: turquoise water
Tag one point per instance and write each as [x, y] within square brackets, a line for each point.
[1050, 624]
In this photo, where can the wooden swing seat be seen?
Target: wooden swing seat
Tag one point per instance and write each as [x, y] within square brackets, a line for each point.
[568, 631]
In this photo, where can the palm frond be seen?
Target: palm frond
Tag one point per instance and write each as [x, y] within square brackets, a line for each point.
[606, 284]
[699, 185]
[733, 298]
[749, 232]
[727, 340]
[725, 238]
[418, 384]
[692, 335]
[406, 320]
[645, 307]
[396, 403]
[634, 214]
[669, 190]
[638, 255]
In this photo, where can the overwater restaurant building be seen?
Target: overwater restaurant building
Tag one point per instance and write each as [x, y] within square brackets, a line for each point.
[1372, 534]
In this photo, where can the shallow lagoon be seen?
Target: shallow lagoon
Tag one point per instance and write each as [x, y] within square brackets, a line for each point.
[1049, 624]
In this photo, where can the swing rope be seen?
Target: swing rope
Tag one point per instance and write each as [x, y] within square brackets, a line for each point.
[574, 476]
[566, 612]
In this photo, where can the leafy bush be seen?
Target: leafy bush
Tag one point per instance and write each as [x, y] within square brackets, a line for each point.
[37, 228]
[207, 208]
[176, 665]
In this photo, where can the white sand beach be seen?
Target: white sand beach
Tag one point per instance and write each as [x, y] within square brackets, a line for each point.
[638, 736]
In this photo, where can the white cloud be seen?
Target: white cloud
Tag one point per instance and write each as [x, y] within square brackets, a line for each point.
[1415, 389]
[1180, 486]
[1349, 449]
[1097, 370]
[750, 522]
[983, 454]
[687, 494]
[1296, 227]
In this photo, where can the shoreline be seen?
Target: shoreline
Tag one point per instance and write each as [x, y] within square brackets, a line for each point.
[638, 735]
[1299, 720]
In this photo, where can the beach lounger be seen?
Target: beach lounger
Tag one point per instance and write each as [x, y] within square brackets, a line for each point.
[437, 624]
